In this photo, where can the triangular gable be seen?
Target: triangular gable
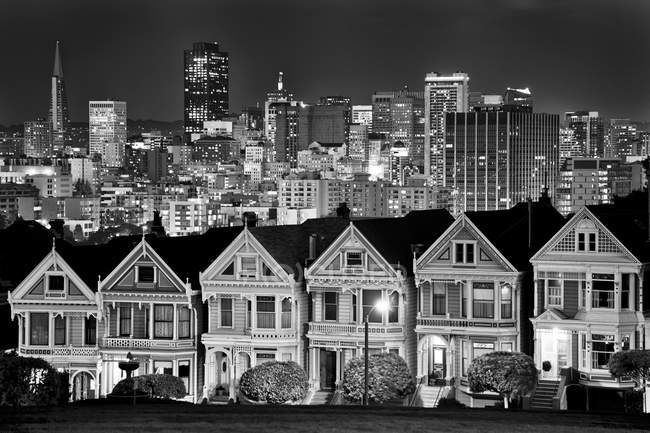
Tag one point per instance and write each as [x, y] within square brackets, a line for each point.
[564, 240]
[550, 315]
[124, 273]
[34, 283]
[223, 267]
[463, 229]
[350, 239]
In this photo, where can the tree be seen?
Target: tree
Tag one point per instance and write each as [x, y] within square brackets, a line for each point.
[82, 188]
[634, 364]
[510, 374]
[388, 378]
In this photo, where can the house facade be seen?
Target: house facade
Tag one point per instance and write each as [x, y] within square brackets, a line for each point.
[59, 319]
[152, 314]
[255, 308]
[589, 294]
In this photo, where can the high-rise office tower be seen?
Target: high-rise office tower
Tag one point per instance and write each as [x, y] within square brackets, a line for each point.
[588, 136]
[622, 138]
[286, 134]
[362, 114]
[275, 99]
[518, 99]
[442, 94]
[36, 139]
[206, 86]
[107, 131]
[322, 123]
[59, 117]
[346, 103]
[496, 159]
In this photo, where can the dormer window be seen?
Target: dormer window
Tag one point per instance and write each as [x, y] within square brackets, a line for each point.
[55, 286]
[354, 259]
[464, 253]
[587, 241]
[146, 274]
[248, 267]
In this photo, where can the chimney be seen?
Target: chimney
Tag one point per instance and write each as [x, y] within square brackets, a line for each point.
[343, 211]
[249, 219]
[312, 246]
[56, 227]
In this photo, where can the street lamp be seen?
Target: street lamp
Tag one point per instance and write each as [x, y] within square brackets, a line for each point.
[381, 306]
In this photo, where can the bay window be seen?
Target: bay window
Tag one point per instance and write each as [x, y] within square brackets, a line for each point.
[40, 329]
[625, 291]
[286, 313]
[163, 321]
[602, 348]
[463, 305]
[439, 298]
[393, 312]
[184, 322]
[266, 312]
[506, 301]
[602, 291]
[59, 331]
[554, 293]
[330, 305]
[483, 306]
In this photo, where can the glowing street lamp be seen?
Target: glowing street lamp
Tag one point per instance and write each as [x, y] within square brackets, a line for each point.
[382, 306]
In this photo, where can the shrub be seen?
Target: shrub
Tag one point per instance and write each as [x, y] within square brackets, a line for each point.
[633, 401]
[388, 378]
[546, 365]
[274, 382]
[510, 374]
[154, 385]
[28, 381]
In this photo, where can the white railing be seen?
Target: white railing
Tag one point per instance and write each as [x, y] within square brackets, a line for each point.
[67, 351]
[271, 334]
[142, 343]
[465, 323]
[352, 328]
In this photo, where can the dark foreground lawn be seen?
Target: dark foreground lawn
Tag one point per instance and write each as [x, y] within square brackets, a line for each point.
[99, 417]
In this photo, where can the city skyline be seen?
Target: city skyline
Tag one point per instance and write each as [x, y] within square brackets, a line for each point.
[333, 51]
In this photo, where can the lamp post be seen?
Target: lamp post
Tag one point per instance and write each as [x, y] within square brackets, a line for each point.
[381, 306]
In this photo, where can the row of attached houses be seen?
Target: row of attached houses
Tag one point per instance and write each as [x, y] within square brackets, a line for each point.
[206, 308]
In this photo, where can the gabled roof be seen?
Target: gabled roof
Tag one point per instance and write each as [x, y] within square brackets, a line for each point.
[508, 229]
[629, 225]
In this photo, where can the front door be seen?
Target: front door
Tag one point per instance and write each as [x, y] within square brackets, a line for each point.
[327, 369]
[555, 348]
[437, 363]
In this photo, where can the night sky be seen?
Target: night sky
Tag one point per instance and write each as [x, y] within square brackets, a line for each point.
[573, 54]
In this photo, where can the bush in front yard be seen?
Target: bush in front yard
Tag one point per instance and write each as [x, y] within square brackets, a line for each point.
[154, 385]
[388, 378]
[28, 381]
[274, 382]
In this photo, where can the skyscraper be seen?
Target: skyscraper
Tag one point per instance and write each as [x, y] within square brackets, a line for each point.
[107, 131]
[346, 103]
[286, 134]
[622, 138]
[206, 86]
[588, 136]
[37, 141]
[496, 159]
[59, 117]
[362, 114]
[442, 94]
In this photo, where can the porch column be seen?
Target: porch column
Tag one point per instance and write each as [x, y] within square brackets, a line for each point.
[421, 297]
[618, 284]
[132, 320]
[28, 329]
[536, 300]
[107, 326]
[253, 312]
[67, 330]
[151, 366]
[20, 330]
[451, 352]
[118, 324]
[150, 320]
[50, 330]
[175, 331]
[497, 300]
[231, 373]
[278, 309]
[338, 367]
[470, 299]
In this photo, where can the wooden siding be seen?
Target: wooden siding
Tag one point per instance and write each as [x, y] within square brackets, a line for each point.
[345, 308]
[76, 330]
[571, 293]
[453, 300]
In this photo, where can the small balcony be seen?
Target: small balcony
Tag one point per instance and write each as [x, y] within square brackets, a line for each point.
[433, 322]
[59, 351]
[353, 329]
[145, 343]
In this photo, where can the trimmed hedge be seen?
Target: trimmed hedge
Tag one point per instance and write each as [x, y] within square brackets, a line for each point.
[388, 378]
[274, 382]
[154, 385]
[26, 381]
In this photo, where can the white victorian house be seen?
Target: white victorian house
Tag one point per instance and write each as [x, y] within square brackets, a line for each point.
[59, 319]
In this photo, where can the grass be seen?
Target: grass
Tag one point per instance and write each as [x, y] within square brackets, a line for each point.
[100, 417]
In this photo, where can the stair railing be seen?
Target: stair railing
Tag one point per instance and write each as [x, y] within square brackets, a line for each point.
[416, 392]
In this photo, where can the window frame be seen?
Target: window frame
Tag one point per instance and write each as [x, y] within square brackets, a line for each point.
[47, 329]
[222, 310]
[58, 294]
[183, 320]
[330, 304]
[247, 275]
[156, 308]
[138, 277]
[120, 331]
[58, 330]
[464, 245]
[559, 296]
[586, 241]
[347, 259]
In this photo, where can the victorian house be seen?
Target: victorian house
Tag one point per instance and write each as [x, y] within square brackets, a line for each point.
[256, 300]
[590, 294]
[475, 291]
[367, 265]
[59, 319]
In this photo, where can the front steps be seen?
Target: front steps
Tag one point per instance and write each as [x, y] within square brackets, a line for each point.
[321, 398]
[544, 393]
[429, 396]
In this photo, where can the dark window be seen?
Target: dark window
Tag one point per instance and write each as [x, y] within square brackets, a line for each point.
[439, 306]
[184, 322]
[331, 305]
[286, 313]
[354, 308]
[40, 328]
[56, 283]
[145, 274]
[184, 374]
[163, 321]
[393, 313]
[625, 291]
[370, 299]
[226, 312]
[581, 241]
[354, 258]
[592, 241]
[266, 312]
[91, 331]
[59, 330]
[483, 306]
[125, 321]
